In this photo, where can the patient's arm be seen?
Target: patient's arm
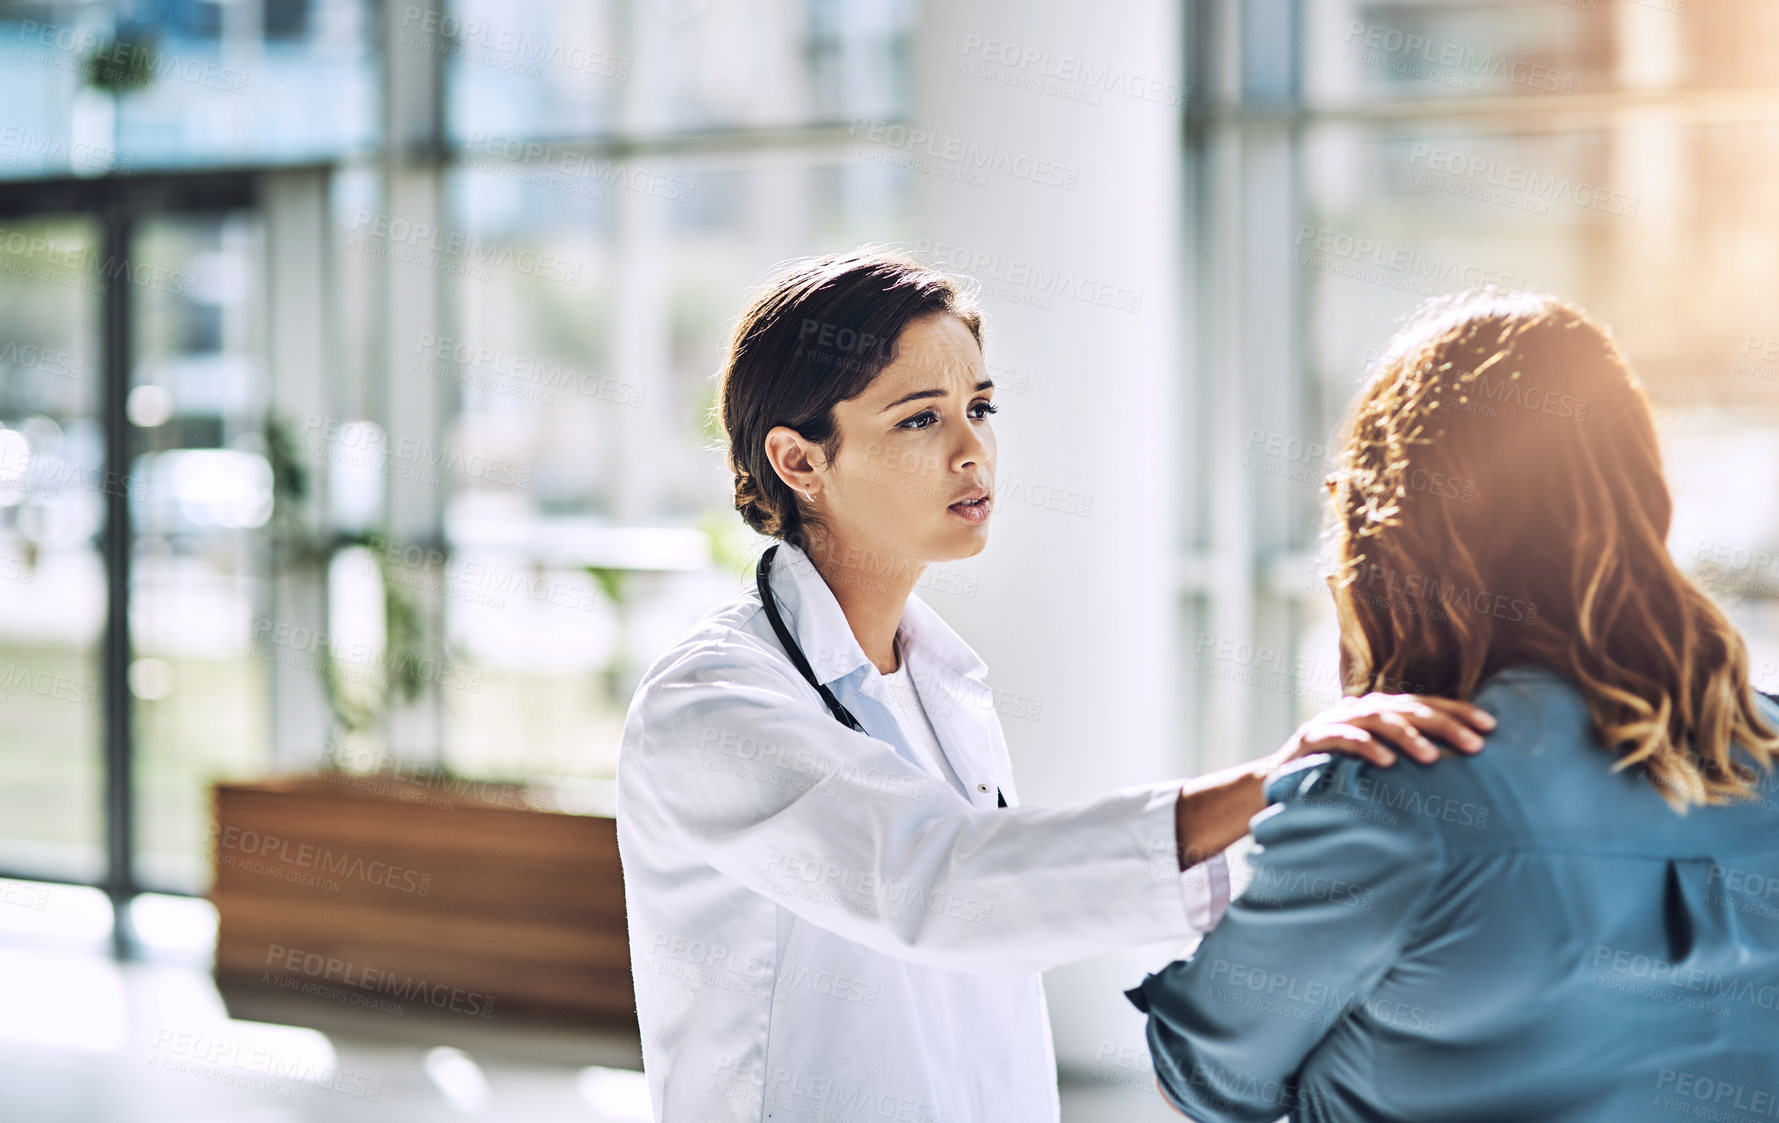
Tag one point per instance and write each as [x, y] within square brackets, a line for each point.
[1339, 883]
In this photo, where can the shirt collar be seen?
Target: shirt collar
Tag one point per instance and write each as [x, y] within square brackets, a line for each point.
[815, 619]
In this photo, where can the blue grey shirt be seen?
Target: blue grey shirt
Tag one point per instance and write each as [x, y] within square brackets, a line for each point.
[1523, 934]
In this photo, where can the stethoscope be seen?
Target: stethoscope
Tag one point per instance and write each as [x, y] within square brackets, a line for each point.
[791, 647]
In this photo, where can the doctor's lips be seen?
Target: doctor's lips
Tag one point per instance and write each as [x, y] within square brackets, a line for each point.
[973, 505]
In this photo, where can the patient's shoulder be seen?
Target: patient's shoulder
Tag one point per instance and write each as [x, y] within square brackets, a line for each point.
[1541, 781]
[1446, 791]
[1304, 777]
[1532, 705]
[1366, 793]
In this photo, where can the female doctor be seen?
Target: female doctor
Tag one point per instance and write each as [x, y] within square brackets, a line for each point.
[837, 906]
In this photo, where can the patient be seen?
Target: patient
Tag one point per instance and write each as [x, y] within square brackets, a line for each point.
[1581, 923]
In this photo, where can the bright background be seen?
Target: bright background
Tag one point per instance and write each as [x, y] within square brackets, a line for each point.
[476, 263]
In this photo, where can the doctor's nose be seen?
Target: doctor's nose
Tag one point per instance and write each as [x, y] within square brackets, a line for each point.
[971, 453]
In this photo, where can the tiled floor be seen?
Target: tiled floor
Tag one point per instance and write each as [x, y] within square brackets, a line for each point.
[84, 1039]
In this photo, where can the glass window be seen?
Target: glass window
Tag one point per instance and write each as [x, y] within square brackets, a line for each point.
[566, 68]
[552, 69]
[1357, 51]
[127, 85]
[616, 175]
[53, 481]
[197, 408]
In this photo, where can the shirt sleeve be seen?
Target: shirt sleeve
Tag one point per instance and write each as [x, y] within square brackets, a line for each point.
[1339, 882]
[1204, 888]
[737, 763]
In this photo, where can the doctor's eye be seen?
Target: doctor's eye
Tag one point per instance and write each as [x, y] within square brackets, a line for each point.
[929, 415]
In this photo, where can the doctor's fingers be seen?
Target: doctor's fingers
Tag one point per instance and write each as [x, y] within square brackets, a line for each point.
[1445, 718]
[1472, 715]
[1344, 737]
[1398, 729]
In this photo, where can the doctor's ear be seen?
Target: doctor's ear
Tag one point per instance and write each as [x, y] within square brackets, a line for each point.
[796, 460]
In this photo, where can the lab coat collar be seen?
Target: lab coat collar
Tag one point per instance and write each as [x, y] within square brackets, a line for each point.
[815, 618]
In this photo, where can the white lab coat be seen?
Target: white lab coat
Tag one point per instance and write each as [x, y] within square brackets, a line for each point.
[821, 925]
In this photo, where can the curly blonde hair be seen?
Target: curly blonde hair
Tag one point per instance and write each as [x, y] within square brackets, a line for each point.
[1502, 480]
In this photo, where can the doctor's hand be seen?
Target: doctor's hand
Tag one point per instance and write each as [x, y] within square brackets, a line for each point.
[1377, 726]
[1213, 810]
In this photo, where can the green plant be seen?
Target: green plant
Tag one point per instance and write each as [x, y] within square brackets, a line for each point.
[733, 545]
[615, 584]
[354, 706]
[121, 64]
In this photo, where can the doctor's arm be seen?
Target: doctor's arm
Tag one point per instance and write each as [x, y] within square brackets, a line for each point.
[746, 771]
[1340, 883]
[839, 828]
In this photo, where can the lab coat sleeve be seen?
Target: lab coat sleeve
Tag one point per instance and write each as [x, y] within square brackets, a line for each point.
[1340, 881]
[754, 778]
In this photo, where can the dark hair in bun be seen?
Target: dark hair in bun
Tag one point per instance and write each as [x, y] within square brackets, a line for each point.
[816, 335]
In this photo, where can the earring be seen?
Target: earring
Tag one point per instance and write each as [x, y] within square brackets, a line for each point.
[809, 495]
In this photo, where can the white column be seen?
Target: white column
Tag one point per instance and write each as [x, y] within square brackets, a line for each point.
[299, 353]
[415, 405]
